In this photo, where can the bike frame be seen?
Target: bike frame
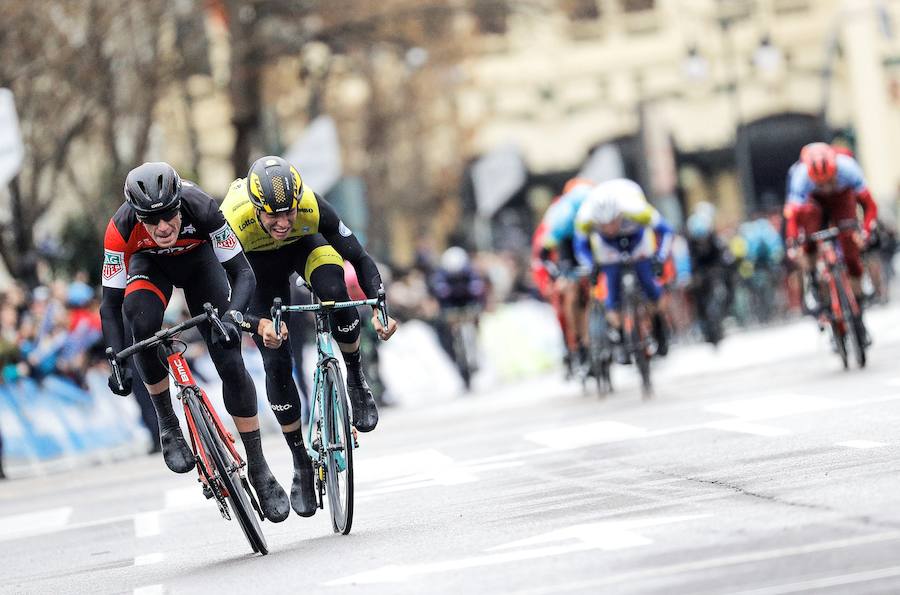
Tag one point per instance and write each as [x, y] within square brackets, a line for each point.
[830, 265]
[181, 374]
[325, 354]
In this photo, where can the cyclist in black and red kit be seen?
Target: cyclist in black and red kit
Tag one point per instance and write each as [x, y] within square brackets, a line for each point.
[167, 234]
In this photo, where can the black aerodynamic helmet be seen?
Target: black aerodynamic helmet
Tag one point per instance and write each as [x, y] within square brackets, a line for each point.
[274, 185]
[153, 188]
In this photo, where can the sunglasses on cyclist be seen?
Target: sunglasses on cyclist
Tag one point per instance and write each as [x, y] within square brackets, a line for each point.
[155, 218]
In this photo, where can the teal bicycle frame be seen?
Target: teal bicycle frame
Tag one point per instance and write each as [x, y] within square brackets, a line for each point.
[320, 443]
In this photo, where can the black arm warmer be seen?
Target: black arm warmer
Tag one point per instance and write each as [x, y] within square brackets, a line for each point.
[243, 282]
[112, 319]
[343, 240]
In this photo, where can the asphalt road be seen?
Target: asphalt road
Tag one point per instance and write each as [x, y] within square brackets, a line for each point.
[762, 468]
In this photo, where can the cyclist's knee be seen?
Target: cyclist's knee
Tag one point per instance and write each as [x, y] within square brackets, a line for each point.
[144, 312]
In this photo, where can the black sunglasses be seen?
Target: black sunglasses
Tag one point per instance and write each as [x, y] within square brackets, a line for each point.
[155, 218]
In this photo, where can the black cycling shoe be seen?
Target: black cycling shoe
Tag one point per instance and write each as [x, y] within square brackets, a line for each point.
[303, 491]
[176, 452]
[272, 500]
[365, 412]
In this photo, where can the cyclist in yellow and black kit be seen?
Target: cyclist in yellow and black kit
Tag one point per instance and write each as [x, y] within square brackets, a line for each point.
[285, 227]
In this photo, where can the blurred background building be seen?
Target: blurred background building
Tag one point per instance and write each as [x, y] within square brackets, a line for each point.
[451, 120]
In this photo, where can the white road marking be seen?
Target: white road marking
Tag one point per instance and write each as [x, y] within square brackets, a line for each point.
[779, 405]
[191, 497]
[146, 524]
[731, 560]
[147, 559]
[828, 581]
[150, 590]
[34, 523]
[743, 427]
[862, 444]
[611, 535]
[579, 436]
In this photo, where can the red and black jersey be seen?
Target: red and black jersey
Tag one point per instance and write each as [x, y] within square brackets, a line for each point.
[201, 222]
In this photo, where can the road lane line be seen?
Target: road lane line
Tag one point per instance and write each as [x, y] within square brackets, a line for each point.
[150, 590]
[34, 523]
[605, 536]
[744, 427]
[731, 560]
[147, 559]
[584, 435]
[146, 524]
[862, 444]
[828, 581]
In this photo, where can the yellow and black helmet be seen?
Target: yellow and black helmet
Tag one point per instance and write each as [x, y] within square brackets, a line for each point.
[273, 184]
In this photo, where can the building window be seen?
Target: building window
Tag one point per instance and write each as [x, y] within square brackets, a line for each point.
[638, 5]
[491, 15]
[581, 10]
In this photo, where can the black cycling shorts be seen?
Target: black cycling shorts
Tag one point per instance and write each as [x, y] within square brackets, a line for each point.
[151, 278]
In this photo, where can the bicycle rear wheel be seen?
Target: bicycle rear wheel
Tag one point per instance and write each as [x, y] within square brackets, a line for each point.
[226, 472]
[338, 451]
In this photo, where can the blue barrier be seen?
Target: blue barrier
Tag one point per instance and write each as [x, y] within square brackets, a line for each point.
[57, 418]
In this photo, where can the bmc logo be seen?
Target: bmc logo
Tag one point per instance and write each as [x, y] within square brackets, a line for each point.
[179, 367]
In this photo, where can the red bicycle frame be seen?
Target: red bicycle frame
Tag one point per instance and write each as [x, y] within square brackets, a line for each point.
[184, 379]
[828, 262]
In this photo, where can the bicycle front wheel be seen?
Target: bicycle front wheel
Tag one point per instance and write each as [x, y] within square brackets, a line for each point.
[639, 349]
[853, 323]
[338, 451]
[227, 473]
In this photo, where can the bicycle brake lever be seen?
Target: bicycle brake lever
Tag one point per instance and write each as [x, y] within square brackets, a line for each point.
[276, 314]
[114, 364]
[383, 307]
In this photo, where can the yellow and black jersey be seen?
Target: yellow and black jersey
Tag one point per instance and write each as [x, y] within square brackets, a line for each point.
[241, 215]
[314, 216]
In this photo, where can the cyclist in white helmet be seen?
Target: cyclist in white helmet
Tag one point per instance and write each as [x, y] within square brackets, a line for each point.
[614, 220]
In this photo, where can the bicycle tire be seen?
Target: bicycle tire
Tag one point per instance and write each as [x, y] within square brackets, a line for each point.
[854, 323]
[228, 476]
[338, 441]
[639, 350]
[600, 351]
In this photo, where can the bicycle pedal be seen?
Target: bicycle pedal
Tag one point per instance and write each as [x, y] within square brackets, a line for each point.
[321, 473]
[207, 492]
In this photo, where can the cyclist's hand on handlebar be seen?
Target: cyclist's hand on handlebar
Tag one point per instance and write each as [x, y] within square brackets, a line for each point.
[384, 332]
[127, 380]
[232, 337]
[859, 239]
[271, 338]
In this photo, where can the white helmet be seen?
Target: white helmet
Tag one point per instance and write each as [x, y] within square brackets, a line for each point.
[454, 259]
[602, 205]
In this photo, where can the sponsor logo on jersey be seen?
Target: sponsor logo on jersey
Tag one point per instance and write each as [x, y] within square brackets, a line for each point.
[246, 223]
[285, 407]
[189, 228]
[225, 239]
[344, 230]
[173, 249]
[113, 264]
[305, 210]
